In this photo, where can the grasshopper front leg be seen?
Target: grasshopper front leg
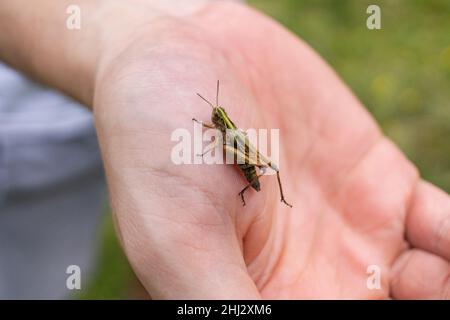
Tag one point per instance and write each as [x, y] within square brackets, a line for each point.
[206, 125]
[210, 126]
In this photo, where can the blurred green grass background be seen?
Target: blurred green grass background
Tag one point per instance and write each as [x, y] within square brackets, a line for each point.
[401, 73]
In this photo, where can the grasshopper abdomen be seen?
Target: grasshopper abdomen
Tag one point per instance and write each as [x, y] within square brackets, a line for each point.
[251, 175]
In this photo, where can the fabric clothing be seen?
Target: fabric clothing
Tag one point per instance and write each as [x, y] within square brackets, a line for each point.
[51, 189]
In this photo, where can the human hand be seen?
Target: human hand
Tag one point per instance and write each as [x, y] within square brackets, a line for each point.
[357, 200]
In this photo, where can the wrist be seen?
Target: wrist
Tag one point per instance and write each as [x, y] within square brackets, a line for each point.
[126, 26]
[37, 41]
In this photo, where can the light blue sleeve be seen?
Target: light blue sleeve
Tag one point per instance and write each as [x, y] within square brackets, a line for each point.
[51, 188]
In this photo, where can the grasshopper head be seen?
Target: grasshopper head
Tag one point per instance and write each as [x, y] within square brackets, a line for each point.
[219, 117]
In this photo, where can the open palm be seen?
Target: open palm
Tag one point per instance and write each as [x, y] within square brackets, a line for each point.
[359, 205]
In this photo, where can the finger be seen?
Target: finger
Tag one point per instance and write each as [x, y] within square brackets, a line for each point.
[428, 221]
[418, 274]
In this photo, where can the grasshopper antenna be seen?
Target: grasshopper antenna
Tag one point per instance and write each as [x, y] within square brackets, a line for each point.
[205, 100]
[217, 94]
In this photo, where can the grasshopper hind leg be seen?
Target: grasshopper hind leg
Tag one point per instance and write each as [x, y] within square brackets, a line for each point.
[281, 190]
[251, 184]
[206, 125]
[242, 194]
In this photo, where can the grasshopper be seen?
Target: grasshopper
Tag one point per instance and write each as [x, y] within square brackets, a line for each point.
[236, 142]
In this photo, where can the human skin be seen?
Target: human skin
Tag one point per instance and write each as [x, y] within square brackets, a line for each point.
[357, 201]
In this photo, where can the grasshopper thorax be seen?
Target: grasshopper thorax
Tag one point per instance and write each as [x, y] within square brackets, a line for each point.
[218, 118]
